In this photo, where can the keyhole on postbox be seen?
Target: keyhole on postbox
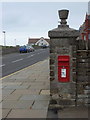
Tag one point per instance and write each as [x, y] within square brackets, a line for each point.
[63, 72]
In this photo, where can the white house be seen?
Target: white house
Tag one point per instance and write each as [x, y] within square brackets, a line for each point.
[42, 42]
[38, 41]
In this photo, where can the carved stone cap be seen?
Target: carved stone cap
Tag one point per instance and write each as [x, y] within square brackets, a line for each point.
[63, 15]
[63, 30]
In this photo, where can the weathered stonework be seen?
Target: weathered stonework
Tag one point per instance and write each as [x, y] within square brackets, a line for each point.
[83, 76]
[63, 42]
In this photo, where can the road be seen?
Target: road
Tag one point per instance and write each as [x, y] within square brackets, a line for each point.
[16, 61]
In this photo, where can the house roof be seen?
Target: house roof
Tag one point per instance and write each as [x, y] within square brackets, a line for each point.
[85, 26]
[34, 40]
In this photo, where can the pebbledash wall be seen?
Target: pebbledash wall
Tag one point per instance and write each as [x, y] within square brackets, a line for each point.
[64, 42]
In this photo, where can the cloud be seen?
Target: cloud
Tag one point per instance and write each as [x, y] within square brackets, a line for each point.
[24, 19]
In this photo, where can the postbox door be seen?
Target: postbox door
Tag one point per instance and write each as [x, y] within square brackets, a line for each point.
[63, 74]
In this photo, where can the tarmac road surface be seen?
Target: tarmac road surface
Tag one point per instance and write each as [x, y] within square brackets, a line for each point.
[16, 61]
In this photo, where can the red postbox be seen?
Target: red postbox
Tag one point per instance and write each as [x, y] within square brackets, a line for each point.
[63, 68]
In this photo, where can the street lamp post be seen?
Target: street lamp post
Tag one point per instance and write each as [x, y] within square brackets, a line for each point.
[4, 38]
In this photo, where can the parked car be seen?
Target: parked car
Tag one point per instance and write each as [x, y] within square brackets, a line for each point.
[25, 49]
[44, 46]
[30, 48]
[22, 49]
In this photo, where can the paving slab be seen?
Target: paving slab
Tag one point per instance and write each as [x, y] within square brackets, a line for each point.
[35, 97]
[24, 113]
[1, 105]
[40, 80]
[26, 84]
[11, 83]
[4, 96]
[19, 75]
[12, 97]
[0, 114]
[35, 83]
[23, 104]
[17, 87]
[8, 104]
[8, 80]
[0, 97]
[45, 92]
[37, 86]
[40, 104]
[25, 80]
[11, 87]
[26, 92]
[28, 97]
[5, 112]
[2, 86]
[6, 92]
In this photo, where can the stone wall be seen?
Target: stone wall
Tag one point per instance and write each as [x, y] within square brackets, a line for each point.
[4, 51]
[77, 90]
[63, 41]
[80, 75]
[66, 91]
[83, 73]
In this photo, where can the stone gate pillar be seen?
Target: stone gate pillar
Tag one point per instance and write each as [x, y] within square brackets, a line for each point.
[63, 43]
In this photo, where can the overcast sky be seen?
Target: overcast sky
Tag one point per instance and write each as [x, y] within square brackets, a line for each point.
[22, 20]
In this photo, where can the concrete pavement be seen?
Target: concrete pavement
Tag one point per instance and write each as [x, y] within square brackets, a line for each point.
[25, 94]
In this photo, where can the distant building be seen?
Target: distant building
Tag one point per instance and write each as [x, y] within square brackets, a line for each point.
[85, 29]
[38, 41]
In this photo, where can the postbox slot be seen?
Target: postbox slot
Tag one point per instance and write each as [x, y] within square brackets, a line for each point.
[63, 60]
[63, 66]
[63, 63]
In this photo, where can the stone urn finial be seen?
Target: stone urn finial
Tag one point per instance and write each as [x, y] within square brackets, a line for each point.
[63, 15]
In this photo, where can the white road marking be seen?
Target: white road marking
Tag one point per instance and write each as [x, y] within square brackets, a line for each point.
[2, 65]
[29, 56]
[41, 52]
[32, 55]
[22, 54]
[17, 60]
